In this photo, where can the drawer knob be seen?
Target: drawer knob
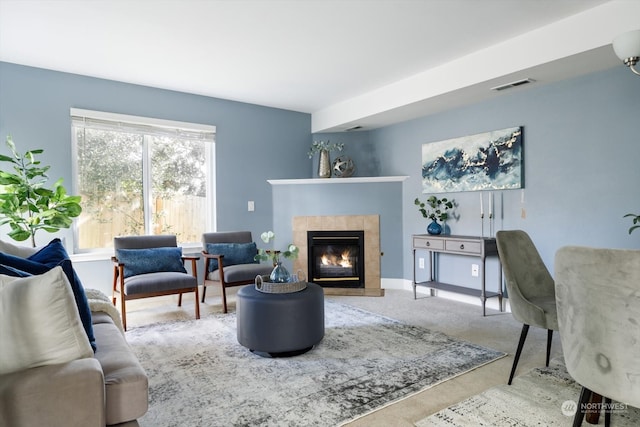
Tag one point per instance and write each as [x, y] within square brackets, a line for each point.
[428, 243]
[461, 246]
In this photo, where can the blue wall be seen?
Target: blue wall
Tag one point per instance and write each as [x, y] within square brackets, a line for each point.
[581, 145]
[581, 157]
[253, 143]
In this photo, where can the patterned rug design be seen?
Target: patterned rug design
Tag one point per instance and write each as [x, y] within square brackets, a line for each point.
[542, 397]
[200, 376]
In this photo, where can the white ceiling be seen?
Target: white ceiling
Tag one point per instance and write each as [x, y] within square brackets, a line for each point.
[347, 62]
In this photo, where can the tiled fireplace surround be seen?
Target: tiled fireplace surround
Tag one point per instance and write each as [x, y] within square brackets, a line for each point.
[370, 224]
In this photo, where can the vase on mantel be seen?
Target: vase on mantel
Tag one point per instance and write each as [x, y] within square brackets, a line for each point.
[324, 165]
[434, 228]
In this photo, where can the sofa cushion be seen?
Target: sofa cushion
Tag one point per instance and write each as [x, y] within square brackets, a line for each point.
[126, 383]
[46, 258]
[16, 250]
[234, 253]
[63, 395]
[151, 260]
[39, 322]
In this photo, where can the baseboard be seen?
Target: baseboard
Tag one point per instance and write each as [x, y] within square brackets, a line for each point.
[403, 284]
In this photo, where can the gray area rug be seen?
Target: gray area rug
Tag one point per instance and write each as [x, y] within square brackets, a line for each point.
[542, 397]
[200, 376]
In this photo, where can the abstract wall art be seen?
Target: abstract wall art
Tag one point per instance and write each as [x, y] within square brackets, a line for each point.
[485, 161]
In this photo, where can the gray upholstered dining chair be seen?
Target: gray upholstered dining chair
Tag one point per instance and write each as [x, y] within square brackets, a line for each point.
[229, 261]
[530, 287]
[598, 299]
[149, 266]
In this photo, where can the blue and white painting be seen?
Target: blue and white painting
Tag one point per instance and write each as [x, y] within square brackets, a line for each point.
[486, 161]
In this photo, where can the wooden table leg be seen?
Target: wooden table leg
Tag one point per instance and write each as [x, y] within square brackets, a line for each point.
[592, 416]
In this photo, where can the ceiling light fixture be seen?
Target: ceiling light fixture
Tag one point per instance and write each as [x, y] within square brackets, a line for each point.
[627, 47]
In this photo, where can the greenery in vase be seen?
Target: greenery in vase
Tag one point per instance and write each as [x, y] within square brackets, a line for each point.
[318, 146]
[438, 208]
[268, 254]
[26, 205]
[636, 221]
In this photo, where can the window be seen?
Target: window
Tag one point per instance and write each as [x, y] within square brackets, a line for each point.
[141, 176]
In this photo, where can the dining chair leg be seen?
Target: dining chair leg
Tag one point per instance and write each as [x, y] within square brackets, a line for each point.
[585, 394]
[204, 292]
[523, 337]
[549, 338]
[607, 412]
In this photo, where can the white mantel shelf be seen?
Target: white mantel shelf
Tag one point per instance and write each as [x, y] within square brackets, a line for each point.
[353, 180]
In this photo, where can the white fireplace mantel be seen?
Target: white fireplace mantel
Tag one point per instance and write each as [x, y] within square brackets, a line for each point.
[353, 180]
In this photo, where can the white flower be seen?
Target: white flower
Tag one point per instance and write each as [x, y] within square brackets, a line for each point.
[267, 236]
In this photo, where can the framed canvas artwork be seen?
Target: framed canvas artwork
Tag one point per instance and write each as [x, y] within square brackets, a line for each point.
[485, 161]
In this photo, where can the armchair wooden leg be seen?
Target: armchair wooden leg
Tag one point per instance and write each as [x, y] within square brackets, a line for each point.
[197, 302]
[123, 311]
[224, 299]
[179, 300]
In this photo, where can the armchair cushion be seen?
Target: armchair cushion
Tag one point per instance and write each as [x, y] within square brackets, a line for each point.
[39, 323]
[241, 272]
[234, 253]
[151, 260]
[45, 259]
[158, 282]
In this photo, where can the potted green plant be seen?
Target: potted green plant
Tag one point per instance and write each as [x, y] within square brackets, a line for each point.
[324, 162]
[636, 221]
[436, 210]
[26, 205]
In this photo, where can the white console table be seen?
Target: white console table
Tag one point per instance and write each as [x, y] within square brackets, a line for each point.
[480, 247]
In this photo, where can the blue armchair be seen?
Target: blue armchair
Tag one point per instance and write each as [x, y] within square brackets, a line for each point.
[149, 266]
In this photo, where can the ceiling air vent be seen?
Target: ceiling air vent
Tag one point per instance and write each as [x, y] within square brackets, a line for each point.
[513, 84]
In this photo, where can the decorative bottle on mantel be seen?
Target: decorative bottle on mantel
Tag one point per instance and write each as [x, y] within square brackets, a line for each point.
[324, 165]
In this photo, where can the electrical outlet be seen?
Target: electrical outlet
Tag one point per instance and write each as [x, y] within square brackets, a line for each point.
[475, 272]
[251, 206]
[421, 262]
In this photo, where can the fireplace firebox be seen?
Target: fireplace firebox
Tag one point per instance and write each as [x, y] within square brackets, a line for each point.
[336, 258]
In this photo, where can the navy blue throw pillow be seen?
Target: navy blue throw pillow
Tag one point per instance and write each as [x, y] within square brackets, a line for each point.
[151, 260]
[234, 253]
[45, 259]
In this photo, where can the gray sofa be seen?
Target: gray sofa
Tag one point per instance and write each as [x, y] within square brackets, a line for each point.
[109, 389]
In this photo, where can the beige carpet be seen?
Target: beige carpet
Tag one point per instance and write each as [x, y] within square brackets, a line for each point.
[200, 375]
[456, 319]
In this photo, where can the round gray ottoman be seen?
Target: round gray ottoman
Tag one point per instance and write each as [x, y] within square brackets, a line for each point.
[280, 325]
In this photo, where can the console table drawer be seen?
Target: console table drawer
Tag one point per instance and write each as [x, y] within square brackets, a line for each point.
[463, 246]
[426, 243]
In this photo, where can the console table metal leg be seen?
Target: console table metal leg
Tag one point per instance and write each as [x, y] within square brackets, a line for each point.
[414, 275]
[483, 294]
[500, 295]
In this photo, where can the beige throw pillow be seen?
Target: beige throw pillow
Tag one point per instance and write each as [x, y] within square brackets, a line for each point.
[39, 322]
[16, 250]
